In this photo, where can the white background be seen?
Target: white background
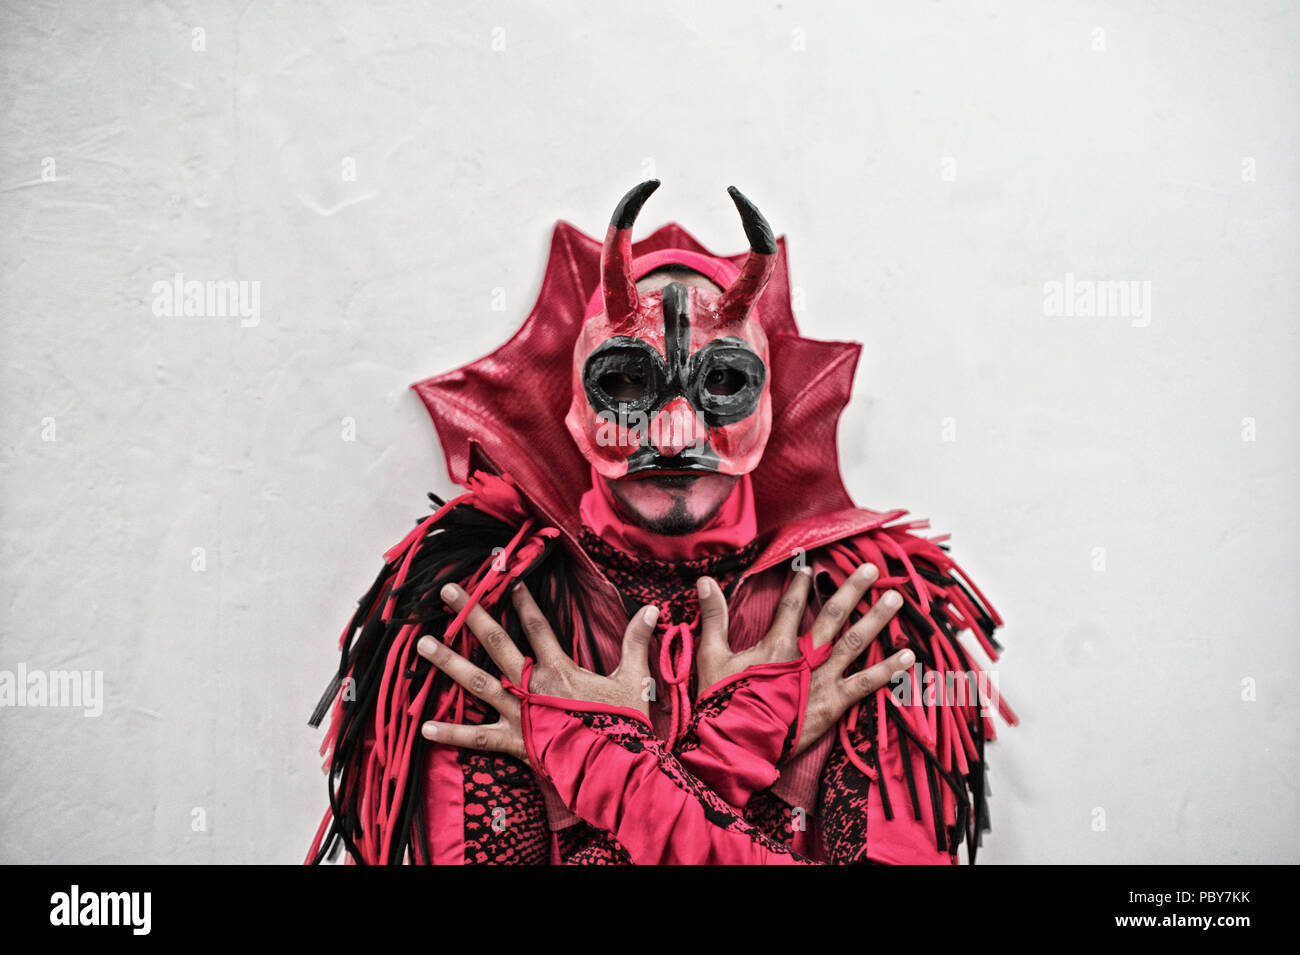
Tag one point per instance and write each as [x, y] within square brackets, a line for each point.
[172, 434]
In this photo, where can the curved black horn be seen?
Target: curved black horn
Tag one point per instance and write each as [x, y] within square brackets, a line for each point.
[616, 279]
[740, 297]
[757, 231]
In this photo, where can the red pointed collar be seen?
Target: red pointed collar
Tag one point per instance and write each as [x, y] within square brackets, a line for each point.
[505, 412]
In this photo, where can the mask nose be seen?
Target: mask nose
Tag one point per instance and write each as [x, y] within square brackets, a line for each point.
[676, 428]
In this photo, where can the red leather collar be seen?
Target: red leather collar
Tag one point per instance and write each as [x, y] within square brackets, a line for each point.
[505, 411]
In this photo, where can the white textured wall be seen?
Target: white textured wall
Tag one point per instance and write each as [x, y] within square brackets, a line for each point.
[171, 434]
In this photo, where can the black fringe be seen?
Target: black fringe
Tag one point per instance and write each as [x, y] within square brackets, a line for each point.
[454, 548]
[970, 790]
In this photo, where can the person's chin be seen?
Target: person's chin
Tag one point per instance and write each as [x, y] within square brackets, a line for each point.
[672, 502]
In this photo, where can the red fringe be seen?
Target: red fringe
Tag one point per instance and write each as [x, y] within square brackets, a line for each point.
[947, 723]
[398, 716]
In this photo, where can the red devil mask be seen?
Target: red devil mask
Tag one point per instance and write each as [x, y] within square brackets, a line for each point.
[675, 379]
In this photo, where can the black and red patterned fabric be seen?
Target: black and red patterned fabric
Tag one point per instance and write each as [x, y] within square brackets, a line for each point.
[505, 814]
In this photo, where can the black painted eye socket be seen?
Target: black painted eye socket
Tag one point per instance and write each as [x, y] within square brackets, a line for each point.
[622, 386]
[724, 381]
[628, 385]
[728, 380]
[624, 372]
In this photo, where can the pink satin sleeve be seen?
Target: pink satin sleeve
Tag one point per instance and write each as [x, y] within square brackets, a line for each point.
[612, 771]
[744, 727]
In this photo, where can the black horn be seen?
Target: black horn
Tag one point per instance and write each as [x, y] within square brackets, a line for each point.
[759, 264]
[616, 256]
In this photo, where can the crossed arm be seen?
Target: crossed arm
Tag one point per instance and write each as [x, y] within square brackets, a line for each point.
[590, 735]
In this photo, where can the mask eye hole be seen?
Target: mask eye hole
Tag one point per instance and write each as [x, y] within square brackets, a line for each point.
[724, 381]
[622, 373]
[628, 384]
[727, 379]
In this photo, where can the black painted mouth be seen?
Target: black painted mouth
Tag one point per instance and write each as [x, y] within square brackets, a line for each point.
[692, 462]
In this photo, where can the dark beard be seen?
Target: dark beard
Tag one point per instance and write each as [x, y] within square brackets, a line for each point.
[676, 523]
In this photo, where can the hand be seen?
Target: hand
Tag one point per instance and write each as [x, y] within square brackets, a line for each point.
[554, 674]
[830, 693]
[714, 660]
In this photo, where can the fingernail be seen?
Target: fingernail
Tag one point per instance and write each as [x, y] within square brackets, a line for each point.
[866, 572]
[907, 658]
[429, 730]
[893, 599]
[705, 587]
[805, 570]
[650, 614]
[450, 592]
[426, 645]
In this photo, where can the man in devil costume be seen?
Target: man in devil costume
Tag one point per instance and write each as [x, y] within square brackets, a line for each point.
[655, 628]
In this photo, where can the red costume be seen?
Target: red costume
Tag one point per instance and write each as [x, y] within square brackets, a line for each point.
[727, 385]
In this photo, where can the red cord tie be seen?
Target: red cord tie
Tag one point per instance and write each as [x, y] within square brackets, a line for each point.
[676, 670]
